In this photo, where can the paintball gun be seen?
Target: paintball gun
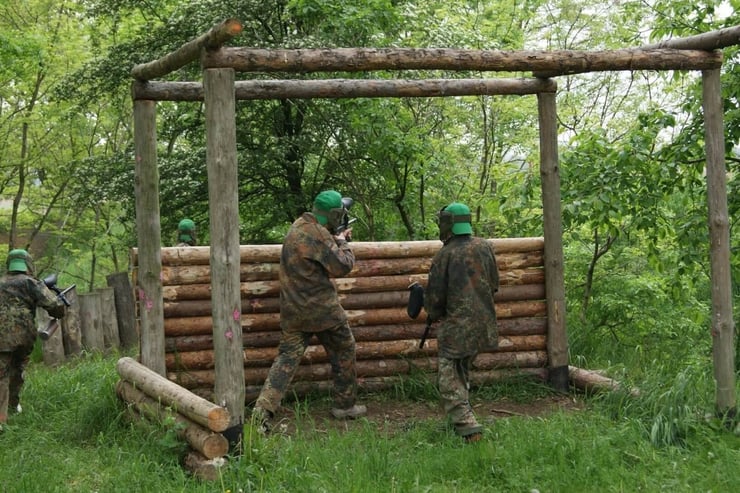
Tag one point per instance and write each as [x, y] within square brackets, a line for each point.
[416, 303]
[344, 225]
[53, 325]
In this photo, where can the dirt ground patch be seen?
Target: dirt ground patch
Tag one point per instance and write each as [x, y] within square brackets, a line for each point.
[395, 416]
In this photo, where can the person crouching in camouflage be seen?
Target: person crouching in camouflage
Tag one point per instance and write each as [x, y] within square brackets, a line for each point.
[20, 294]
[313, 252]
[459, 301]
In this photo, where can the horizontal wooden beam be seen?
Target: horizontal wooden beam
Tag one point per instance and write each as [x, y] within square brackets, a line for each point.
[713, 40]
[188, 52]
[556, 62]
[346, 88]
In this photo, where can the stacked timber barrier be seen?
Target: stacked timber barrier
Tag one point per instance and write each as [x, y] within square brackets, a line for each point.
[197, 421]
[374, 295]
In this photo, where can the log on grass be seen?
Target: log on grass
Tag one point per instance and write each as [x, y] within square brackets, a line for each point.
[208, 414]
[202, 467]
[592, 381]
[207, 442]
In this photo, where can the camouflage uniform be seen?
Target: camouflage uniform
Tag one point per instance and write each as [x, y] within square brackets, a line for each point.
[20, 294]
[462, 281]
[309, 306]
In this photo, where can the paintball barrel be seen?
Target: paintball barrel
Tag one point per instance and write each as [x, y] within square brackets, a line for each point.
[53, 325]
[344, 226]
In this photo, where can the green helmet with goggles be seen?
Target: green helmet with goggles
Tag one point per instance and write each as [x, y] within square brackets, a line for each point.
[186, 231]
[454, 219]
[330, 209]
[20, 260]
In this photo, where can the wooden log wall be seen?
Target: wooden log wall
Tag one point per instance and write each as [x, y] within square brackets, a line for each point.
[374, 294]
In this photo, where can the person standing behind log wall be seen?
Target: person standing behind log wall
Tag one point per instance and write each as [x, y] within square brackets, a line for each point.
[459, 298]
[186, 233]
[312, 253]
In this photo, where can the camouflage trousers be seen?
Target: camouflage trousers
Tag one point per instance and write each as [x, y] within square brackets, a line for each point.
[12, 365]
[339, 344]
[454, 387]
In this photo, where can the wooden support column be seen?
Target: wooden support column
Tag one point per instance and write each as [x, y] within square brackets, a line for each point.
[223, 202]
[723, 326]
[557, 340]
[146, 186]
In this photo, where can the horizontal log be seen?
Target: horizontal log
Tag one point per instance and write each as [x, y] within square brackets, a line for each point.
[315, 353]
[350, 301]
[362, 249]
[265, 271]
[592, 381]
[713, 40]
[558, 62]
[190, 326]
[346, 88]
[189, 52]
[375, 384]
[207, 442]
[266, 289]
[389, 332]
[203, 468]
[208, 414]
[368, 368]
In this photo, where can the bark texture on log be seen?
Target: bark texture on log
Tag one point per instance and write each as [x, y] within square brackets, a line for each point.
[208, 414]
[346, 88]
[592, 381]
[551, 62]
[205, 441]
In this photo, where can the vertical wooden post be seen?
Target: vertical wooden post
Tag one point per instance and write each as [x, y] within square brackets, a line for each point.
[149, 288]
[223, 202]
[125, 313]
[557, 340]
[91, 311]
[723, 326]
[108, 319]
[71, 332]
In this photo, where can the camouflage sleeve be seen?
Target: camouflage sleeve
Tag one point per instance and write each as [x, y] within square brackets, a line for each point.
[435, 295]
[337, 258]
[46, 298]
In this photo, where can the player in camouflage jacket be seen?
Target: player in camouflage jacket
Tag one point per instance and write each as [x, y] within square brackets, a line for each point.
[20, 294]
[459, 301]
[312, 254]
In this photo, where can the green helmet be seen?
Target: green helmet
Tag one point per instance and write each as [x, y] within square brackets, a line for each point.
[186, 231]
[330, 208]
[20, 260]
[454, 220]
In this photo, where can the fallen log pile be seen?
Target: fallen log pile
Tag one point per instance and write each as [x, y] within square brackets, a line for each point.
[374, 294]
[196, 420]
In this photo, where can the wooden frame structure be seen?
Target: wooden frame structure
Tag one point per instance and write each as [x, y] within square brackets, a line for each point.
[219, 90]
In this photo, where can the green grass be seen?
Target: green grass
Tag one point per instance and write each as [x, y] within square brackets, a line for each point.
[74, 435]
